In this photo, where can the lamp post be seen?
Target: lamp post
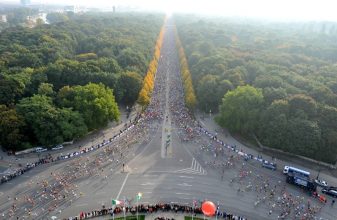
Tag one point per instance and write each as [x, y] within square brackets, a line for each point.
[319, 170]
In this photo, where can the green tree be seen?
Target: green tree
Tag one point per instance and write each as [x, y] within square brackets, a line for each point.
[300, 104]
[10, 128]
[95, 102]
[240, 109]
[210, 92]
[50, 125]
[305, 137]
[128, 87]
[46, 89]
[55, 17]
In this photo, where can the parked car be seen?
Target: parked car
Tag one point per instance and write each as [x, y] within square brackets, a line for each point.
[330, 191]
[321, 183]
[40, 149]
[269, 165]
[58, 147]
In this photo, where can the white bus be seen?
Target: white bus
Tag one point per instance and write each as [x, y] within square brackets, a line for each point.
[293, 170]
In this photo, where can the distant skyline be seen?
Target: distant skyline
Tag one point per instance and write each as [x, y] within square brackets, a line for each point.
[274, 9]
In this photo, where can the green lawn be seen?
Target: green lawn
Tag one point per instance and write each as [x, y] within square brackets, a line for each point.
[131, 217]
[194, 218]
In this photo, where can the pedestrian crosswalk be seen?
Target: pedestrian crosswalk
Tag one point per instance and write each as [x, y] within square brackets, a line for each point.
[195, 168]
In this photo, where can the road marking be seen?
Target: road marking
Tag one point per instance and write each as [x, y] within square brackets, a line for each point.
[184, 184]
[191, 177]
[26, 176]
[120, 191]
[183, 194]
[147, 184]
[147, 192]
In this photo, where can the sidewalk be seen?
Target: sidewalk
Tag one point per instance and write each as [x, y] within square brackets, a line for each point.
[209, 123]
[90, 139]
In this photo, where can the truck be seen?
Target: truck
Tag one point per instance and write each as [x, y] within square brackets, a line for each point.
[301, 181]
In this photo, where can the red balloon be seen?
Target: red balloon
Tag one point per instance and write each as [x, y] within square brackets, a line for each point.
[208, 208]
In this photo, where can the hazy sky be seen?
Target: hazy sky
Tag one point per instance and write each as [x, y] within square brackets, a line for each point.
[288, 9]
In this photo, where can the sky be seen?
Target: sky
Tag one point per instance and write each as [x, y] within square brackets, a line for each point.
[274, 9]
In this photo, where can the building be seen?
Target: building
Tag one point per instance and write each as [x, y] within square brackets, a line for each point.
[25, 2]
[3, 18]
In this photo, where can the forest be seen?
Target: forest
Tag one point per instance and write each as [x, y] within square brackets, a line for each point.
[273, 81]
[61, 80]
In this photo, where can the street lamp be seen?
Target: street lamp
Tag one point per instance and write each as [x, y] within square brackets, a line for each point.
[319, 170]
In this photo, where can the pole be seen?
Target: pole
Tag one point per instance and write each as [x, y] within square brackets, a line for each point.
[124, 212]
[137, 208]
[192, 208]
[319, 170]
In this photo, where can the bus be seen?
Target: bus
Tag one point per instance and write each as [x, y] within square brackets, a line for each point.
[292, 170]
[301, 181]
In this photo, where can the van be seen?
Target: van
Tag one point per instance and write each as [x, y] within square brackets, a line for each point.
[40, 149]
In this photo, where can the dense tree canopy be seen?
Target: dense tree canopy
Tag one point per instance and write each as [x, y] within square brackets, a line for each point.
[95, 102]
[50, 124]
[240, 108]
[294, 65]
[60, 80]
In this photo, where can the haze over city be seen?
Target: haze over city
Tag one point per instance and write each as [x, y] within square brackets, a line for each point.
[273, 9]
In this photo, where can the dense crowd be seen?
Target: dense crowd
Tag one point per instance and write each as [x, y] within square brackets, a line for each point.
[50, 159]
[149, 209]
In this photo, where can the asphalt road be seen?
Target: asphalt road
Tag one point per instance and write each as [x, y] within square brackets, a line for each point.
[178, 172]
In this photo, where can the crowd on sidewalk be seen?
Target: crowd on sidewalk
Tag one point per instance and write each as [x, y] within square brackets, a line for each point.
[148, 209]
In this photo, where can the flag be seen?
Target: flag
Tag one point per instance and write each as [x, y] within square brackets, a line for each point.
[139, 196]
[195, 203]
[116, 202]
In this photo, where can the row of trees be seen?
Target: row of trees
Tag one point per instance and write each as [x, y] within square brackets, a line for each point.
[148, 83]
[190, 98]
[275, 81]
[56, 81]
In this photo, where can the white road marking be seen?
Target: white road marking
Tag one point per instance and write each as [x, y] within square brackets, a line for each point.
[183, 194]
[147, 184]
[120, 191]
[147, 192]
[191, 177]
[184, 184]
